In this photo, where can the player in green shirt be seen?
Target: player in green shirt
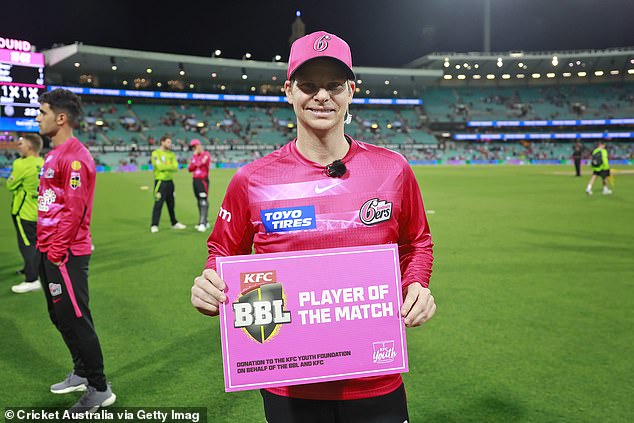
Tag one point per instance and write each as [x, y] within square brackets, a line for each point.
[23, 183]
[600, 167]
[165, 166]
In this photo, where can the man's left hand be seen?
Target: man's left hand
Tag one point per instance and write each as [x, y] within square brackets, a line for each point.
[418, 305]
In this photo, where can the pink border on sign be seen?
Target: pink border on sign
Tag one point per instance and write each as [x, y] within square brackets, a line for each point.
[400, 364]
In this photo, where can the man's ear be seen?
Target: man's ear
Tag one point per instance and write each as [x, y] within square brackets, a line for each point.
[61, 118]
[352, 86]
[288, 85]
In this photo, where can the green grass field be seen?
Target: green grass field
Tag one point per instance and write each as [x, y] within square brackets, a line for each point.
[534, 282]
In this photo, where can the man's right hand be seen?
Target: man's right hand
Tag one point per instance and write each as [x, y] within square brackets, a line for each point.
[207, 292]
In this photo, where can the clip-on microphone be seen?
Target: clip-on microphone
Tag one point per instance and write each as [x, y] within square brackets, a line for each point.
[336, 169]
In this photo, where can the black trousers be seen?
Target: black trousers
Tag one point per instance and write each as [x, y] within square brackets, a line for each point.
[163, 193]
[26, 231]
[66, 291]
[201, 191]
[389, 408]
[577, 166]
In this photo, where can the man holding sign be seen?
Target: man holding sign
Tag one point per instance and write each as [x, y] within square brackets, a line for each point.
[326, 190]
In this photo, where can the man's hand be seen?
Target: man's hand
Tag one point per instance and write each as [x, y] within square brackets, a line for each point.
[56, 260]
[207, 292]
[418, 305]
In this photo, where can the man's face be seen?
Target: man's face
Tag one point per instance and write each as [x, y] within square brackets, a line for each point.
[167, 144]
[320, 94]
[24, 147]
[47, 119]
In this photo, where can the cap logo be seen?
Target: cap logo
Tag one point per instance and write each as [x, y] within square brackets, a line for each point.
[321, 43]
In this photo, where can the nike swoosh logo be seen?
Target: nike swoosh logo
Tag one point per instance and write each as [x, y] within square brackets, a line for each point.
[56, 300]
[320, 190]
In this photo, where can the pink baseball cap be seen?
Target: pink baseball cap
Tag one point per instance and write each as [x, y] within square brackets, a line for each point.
[319, 44]
[194, 142]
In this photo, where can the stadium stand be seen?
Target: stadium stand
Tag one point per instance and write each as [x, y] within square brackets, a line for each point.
[553, 102]
[240, 132]
[460, 119]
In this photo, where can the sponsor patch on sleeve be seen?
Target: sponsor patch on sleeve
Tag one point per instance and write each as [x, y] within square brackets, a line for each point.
[75, 180]
[288, 219]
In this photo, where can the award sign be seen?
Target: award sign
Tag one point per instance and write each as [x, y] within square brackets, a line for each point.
[311, 316]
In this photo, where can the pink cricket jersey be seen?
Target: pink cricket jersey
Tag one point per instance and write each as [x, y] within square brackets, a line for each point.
[284, 202]
[199, 165]
[67, 187]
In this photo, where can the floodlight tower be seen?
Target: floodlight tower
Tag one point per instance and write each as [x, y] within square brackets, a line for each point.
[487, 26]
[298, 29]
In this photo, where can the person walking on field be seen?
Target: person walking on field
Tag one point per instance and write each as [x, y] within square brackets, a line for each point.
[577, 155]
[600, 167]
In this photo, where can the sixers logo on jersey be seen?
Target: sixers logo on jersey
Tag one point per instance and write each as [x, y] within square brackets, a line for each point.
[288, 219]
[375, 211]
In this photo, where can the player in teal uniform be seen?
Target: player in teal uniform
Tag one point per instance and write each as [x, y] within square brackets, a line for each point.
[165, 167]
[23, 183]
[600, 167]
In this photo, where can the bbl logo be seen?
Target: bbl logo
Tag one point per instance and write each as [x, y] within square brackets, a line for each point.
[260, 308]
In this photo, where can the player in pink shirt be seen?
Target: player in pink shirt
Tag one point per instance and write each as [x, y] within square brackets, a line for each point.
[322, 190]
[67, 187]
[199, 167]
